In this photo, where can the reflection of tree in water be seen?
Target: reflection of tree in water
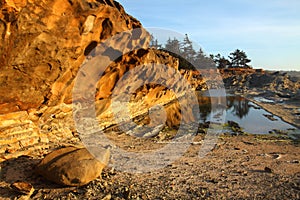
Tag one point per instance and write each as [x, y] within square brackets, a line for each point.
[205, 110]
[240, 106]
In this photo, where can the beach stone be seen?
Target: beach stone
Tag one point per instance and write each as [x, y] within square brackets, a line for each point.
[23, 188]
[73, 166]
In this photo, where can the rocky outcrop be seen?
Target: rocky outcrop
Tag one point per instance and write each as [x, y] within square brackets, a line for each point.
[278, 84]
[154, 85]
[43, 46]
[43, 43]
[204, 79]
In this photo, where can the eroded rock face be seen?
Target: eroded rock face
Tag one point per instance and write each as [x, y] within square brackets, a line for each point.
[149, 77]
[43, 43]
[43, 46]
[72, 166]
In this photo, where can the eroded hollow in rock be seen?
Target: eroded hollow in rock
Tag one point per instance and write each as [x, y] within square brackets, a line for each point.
[107, 27]
[90, 48]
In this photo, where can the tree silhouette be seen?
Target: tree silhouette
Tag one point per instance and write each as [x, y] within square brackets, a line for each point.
[189, 58]
[221, 61]
[202, 61]
[173, 46]
[239, 59]
[154, 43]
[187, 49]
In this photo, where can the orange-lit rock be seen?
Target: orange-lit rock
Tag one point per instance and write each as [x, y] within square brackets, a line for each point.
[43, 43]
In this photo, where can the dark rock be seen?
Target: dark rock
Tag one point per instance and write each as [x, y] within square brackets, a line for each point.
[235, 127]
[270, 117]
[268, 170]
[282, 95]
[233, 124]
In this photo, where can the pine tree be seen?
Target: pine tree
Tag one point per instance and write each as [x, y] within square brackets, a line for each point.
[203, 61]
[239, 59]
[173, 46]
[154, 43]
[221, 61]
[200, 59]
[187, 49]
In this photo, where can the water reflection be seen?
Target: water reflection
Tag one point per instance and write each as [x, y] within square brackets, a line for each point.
[237, 105]
[248, 115]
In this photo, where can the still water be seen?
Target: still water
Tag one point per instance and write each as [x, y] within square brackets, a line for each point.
[250, 117]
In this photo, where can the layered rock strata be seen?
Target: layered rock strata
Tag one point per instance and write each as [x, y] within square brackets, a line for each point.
[43, 46]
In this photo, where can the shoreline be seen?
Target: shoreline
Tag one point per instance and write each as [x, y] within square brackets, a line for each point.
[284, 113]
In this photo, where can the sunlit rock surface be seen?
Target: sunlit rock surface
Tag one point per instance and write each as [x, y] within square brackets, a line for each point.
[43, 46]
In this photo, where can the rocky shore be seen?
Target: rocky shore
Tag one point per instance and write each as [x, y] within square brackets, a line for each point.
[276, 92]
[239, 167]
[44, 44]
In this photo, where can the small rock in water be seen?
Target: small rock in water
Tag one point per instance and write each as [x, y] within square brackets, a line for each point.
[235, 127]
[270, 117]
[73, 166]
[234, 124]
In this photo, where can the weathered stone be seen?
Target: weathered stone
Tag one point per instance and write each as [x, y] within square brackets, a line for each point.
[51, 40]
[276, 83]
[23, 188]
[72, 166]
[43, 44]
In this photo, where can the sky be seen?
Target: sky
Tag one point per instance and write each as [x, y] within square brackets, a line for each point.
[267, 30]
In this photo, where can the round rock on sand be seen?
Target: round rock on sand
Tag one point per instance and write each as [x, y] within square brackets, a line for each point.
[71, 166]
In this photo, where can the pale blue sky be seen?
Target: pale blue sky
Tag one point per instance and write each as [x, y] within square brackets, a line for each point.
[267, 30]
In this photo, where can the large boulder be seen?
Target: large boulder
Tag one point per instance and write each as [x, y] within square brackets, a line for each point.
[71, 166]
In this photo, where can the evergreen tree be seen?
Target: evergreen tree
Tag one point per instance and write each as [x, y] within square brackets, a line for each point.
[187, 49]
[239, 59]
[154, 43]
[200, 59]
[203, 61]
[173, 46]
[221, 61]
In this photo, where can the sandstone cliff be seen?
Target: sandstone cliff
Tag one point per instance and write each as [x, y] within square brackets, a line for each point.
[43, 45]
